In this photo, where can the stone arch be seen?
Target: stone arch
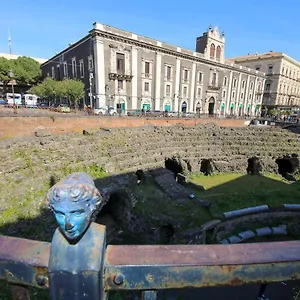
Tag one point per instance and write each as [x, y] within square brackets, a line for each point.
[166, 233]
[174, 166]
[184, 107]
[218, 52]
[211, 105]
[212, 50]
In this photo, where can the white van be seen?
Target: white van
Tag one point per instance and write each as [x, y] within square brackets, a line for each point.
[30, 100]
[12, 99]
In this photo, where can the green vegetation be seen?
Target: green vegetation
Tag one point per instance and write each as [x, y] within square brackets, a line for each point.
[26, 71]
[71, 89]
[234, 191]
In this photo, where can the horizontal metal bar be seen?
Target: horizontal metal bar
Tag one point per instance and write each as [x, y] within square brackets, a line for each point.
[24, 261]
[162, 267]
[169, 267]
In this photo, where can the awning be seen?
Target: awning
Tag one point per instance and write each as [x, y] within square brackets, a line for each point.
[240, 105]
[249, 105]
[223, 105]
[231, 105]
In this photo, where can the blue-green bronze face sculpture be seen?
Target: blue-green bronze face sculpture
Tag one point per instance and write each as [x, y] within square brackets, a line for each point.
[74, 200]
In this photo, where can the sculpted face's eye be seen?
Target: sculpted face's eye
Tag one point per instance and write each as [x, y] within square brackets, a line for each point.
[77, 213]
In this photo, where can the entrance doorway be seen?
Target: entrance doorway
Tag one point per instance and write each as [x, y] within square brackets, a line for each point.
[146, 106]
[121, 107]
[211, 106]
[222, 109]
[231, 109]
[183, 107]
[167, 107]
[240, 110]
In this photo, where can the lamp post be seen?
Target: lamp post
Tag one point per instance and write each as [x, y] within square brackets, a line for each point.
[91, 76]
[120, 109]
[11, 75]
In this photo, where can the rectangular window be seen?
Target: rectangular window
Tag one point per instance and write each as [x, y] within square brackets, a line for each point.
[120, 63]
[268, 86]
[270, 69]
[199, 92]
[185, 75]
[147, 68]
[224, 94]
[233, 95]
[146, 87]
[120, 84]
[200, 75]
[225, 81]
[53, 72]
[214, 79]
[81, 68]
[185, 91]
[65, 69]
[168, 89]
[58, 72]
[90, 63]
[243, 83]
[74, 71]
[234, 82]
[169, 69]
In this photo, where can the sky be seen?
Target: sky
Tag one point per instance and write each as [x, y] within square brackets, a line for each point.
[42, 28]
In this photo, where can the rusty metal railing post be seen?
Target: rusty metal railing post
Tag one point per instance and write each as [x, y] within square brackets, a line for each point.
[78, 247]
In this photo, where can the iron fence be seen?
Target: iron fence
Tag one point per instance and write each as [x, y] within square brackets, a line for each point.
[90, 268]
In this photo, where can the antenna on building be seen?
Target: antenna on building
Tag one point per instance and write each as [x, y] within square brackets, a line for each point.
[9, 42]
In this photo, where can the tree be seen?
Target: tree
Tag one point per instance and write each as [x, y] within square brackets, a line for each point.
[70, 89]
[27, 71]
[74, 90]
[6, 66]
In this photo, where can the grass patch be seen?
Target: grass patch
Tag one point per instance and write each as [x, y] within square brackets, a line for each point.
[235, 191]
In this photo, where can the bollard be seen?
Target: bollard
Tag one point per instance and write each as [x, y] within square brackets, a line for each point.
[78, 245]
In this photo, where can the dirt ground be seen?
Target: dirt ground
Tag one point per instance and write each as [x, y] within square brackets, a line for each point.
[13, 126]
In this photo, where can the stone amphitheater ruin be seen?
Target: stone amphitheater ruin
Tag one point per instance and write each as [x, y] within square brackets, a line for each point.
[142, 166]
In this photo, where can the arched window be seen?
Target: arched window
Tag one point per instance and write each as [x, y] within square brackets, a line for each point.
[283, 70]
[225, 81]
[212, 50]
[218, 54]
[251, 85]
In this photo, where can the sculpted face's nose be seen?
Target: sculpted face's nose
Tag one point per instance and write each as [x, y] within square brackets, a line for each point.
[69, 226]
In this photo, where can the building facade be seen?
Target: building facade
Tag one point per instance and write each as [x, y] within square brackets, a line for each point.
[131, 72]
[282, 87]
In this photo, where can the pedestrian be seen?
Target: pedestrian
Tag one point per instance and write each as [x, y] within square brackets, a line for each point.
[85, 109]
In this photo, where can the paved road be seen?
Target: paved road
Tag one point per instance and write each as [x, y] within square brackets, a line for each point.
[274, 291]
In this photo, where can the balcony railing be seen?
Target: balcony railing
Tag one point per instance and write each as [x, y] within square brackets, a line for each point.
[213, 86]
[120, 76]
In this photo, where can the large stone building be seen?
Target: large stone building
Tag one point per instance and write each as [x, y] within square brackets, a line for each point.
[282, 88]
[130, 72]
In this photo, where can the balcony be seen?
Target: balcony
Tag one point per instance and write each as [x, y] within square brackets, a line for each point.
[120, 76]
[213, 86]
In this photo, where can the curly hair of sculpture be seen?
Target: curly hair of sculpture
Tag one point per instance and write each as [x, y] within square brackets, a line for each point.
[74, 201]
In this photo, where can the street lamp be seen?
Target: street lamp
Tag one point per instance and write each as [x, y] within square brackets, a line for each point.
[120, 110]
[91, 76]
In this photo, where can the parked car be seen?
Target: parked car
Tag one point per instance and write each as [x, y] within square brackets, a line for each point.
[63, 108]
[106, 110]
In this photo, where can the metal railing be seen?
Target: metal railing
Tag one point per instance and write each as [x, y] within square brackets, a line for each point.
[94, 269]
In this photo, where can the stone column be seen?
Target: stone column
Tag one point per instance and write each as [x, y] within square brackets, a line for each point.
[192, 91]
[229, 92]
[134, 61]
[99, 73]
[177, 83]
[245, 105]
[236, 108]
[254, 97]
[157, 81]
